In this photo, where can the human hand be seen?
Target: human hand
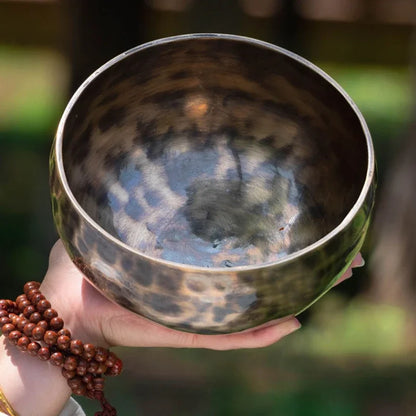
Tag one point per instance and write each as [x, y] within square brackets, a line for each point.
[93, 318]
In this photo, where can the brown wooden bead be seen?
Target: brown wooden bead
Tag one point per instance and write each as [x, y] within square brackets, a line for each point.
[23, 342]
[49, 314]
[21, 322]
[80, 391]
[13, 318]
[43, 324]
[20, 298]
[63, 342]
[38, 333]
[28, 328]
[116, 369]
[3, 313]
[92, 367]
[101, 354]
[14, 336]
[68, 373]
[33, 348]
[7, 329]
[27, 312]
[101, 369]
[50, 337]
[90, 388]
[75, 382]
[10, 305]
[32, 293]
[44, 353]
[42, 305]
[70, 363]
[35, 317]
[111, 359]
[57, 358]
[30, 285]
[87, 378]
[5, 320]
[23, 304]
[64, 331]
[82, 367]
[56, 323]
[89, 351]
[98, 383]
[77, 347]
[37, 297]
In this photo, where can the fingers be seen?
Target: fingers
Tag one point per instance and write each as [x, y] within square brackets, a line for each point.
[58, 255]
[137, 331]
[357, 262]
[255, 338]
[345, 276]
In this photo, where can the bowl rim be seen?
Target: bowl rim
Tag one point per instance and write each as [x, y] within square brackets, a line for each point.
[371, 165]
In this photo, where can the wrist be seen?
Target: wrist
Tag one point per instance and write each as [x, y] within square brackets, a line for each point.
[27, 382]
[33, 326]
[78, 316]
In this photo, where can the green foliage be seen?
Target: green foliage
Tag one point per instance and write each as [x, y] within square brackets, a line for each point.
[340, 328]
[382, 93]
[32, 91]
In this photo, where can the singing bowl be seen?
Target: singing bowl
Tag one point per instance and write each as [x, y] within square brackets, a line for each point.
[212, 183]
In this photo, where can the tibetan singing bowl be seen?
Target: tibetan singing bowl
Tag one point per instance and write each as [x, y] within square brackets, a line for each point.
[212, 183]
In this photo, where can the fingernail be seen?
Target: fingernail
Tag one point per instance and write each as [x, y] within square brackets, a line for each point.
[278, 321]
[362, 263]
[358, 261]
[292, 325]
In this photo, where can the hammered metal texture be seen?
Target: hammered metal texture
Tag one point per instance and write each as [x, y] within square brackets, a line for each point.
[212, 183]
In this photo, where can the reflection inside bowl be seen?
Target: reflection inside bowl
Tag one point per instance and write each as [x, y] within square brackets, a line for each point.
[184, 159]
[214, 161]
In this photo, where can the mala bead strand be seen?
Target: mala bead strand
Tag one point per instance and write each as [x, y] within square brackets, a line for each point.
[34, 327]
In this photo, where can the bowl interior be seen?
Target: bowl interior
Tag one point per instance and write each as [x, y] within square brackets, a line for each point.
[214, 152]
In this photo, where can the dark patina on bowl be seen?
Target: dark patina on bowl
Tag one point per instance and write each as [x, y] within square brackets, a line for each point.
[212, 182]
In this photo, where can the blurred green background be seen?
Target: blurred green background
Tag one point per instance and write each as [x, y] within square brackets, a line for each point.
[355, 354]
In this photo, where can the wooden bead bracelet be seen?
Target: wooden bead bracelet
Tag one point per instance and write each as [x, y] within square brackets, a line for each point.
[34, 327]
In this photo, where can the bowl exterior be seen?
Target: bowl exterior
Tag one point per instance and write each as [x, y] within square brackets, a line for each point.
[198, 300]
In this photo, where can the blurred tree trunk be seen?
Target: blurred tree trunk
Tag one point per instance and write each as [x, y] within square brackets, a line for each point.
[100, 30]
[393, 264]
[288, 27]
